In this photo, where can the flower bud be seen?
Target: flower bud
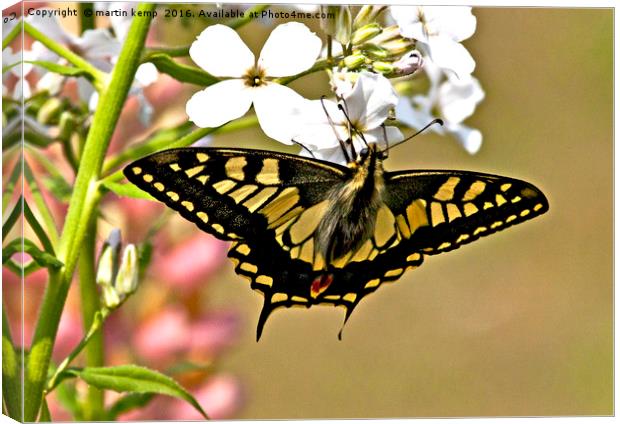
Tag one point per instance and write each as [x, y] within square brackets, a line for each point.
[408, 64]
[388, 34]
[398, 47]
[354, 61]
[365, 33]
[366, 15]
[66, 125]
[340, 26]
[127, 277]
[374, 52]
[105, 269]
[50, 110]
[383, 67]
[111, 299]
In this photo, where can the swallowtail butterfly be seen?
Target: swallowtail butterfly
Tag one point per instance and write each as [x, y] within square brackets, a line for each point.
[308, 232]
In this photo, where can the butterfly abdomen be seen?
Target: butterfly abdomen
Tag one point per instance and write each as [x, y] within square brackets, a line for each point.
[350, 218]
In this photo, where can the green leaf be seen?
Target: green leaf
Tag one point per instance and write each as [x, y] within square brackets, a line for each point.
[11, 184]
[135, 379]
[9, 67]
[183, 73]
[41, 204]
[38, 229]
[17, 29]
[67, 396]
[127, 190]
[69, 71]
[127, 403]
[12, 218]
[45, 415]
[58, 186]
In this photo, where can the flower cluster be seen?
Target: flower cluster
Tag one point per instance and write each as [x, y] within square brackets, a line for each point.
[375, 60]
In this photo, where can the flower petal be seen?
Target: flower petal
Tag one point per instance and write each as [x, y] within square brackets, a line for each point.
[369, 103]
[457, 99]
[469, 138]
[146, 74]
[220, 51]
[451, 55]
[332, 154]
[408, 19]
[314, 129]
[378, 136]
[219, 103]
[98, 44]
[455, 21]
[278, 109]
[290, 49]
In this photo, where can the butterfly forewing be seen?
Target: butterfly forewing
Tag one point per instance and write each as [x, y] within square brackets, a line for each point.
[438, 211]
[225, 191]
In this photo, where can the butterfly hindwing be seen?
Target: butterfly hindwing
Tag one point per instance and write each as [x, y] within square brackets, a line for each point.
[438, 211]
[287, 282]
[233, 193]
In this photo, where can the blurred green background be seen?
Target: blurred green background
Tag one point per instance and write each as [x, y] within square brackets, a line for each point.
[519, 323]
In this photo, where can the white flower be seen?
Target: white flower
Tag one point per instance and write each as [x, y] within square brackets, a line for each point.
[290, 49]
[367, 106]
[439, 31]
[453, 100]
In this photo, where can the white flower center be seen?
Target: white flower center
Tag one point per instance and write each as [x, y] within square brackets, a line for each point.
[255, 77]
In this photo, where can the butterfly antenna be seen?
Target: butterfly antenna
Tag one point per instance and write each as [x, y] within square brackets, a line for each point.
[303, 147]
[433, 122]
[344, 110]
[331, 123]
[387, 142]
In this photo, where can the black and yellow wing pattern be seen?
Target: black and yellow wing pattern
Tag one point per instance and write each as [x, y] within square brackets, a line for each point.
[270, 205]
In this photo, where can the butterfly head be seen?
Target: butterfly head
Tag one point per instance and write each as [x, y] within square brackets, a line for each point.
[368, 157]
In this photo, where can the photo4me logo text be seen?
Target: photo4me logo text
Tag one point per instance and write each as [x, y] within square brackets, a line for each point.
[181, 12]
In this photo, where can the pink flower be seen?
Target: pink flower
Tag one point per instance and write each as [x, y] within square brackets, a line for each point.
[221, 397]
[164, 336]
[69, 334]
[214, 333]
[189, 265]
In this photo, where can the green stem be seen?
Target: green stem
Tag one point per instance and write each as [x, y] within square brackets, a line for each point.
[89, 295]
[87, 20]
[98, 76]
[96, 325]
[11, 35]
[320, 65]
[82, 205]
[11, 373]
[170, 51]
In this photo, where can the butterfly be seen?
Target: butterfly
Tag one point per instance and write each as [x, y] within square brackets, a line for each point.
[308, 232]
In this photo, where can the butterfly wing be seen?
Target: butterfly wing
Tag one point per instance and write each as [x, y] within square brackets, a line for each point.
[233, 194]
[438, 211]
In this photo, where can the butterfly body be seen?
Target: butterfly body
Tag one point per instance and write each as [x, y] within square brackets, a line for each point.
[307, 232]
